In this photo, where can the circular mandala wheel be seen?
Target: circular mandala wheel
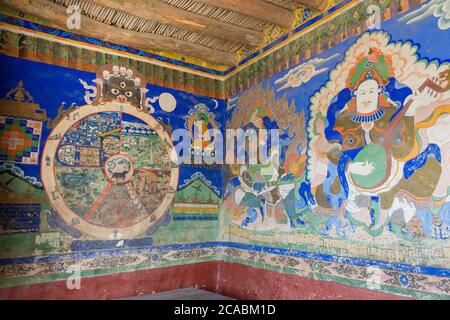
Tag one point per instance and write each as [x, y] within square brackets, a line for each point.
[107, 171]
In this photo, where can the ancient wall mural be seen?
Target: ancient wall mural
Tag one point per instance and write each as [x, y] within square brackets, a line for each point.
[86, 166]
[363, 169]
[357, 191]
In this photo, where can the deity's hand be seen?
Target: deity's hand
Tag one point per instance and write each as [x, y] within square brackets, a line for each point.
[419, 100]
[361, 168]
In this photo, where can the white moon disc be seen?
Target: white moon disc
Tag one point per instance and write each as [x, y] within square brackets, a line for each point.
[167, 102]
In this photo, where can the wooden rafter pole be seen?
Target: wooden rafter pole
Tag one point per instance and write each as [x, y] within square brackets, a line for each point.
[258, 9]
[315, 4]
[161, 12]
[92, 28]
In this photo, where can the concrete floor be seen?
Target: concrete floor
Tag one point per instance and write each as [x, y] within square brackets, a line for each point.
[181, 294]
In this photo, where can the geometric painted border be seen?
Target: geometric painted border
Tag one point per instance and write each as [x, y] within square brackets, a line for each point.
[27, 140]
[403, 279]
[398, 282]
[433, 271]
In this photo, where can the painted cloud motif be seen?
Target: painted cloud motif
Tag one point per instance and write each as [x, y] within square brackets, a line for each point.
[438, 8]
[20, 173]
[303, 73]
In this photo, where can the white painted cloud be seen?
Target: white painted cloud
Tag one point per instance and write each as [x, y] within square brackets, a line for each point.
[438, 8]
[20, 173]
[232, 103]
[303, 73]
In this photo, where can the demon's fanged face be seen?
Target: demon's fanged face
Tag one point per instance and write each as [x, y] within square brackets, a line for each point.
[122, 90]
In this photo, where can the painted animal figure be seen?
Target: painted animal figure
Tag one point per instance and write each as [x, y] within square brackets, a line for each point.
[291, 199]
[63, 112]
[254, 204]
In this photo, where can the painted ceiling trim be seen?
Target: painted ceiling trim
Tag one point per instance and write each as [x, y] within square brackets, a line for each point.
[21, 25]
[56, 35]
[294, 34]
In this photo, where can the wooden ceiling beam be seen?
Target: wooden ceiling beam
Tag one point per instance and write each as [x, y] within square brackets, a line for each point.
[161, 12]
[258, 9]
[315, 4]
[140, 40]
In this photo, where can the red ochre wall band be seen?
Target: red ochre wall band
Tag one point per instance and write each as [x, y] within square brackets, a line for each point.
[230, 279]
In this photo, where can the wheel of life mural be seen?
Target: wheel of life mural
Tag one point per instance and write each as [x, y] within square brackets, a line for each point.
[107, 171]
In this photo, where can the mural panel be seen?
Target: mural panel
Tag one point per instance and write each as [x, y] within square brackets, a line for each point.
[384, 132]
[87, 174]
[356, 192]
[362, 168]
